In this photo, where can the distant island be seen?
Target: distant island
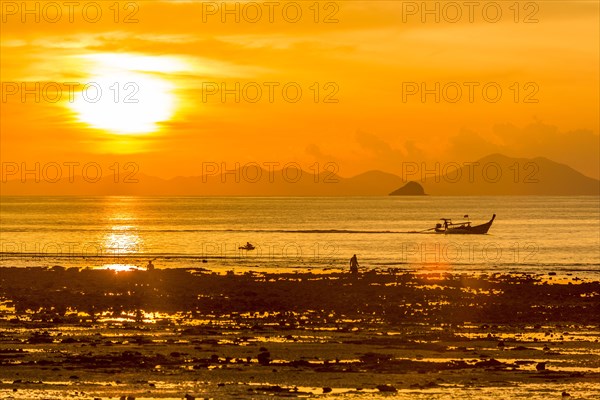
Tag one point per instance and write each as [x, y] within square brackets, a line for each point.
[493, 175]
[410, 189]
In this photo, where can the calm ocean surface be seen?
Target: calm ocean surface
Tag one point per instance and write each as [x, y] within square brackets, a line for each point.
[532, 234]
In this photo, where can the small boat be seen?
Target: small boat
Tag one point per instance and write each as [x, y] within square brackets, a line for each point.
[247, 247]
[463, 228]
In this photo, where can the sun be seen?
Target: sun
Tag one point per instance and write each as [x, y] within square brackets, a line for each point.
[127, 103]
[126, 94]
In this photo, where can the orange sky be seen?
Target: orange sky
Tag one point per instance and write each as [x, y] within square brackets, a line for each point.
[179, 53]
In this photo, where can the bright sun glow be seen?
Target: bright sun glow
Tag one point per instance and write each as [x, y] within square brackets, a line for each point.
[126, 94]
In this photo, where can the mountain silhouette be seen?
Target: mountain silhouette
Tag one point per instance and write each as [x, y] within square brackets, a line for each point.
[495, 174]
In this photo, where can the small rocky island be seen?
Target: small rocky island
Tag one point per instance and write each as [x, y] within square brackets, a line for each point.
[410, 189]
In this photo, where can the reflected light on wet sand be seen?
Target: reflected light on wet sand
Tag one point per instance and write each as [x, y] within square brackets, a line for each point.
[120, 267]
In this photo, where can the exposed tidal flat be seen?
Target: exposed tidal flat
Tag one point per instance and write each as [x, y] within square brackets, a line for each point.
[172, 333]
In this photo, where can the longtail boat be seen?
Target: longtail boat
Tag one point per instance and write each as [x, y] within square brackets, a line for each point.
[463, 228]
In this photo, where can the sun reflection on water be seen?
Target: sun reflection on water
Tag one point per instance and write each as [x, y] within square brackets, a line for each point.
[121, 239]
[122, 242]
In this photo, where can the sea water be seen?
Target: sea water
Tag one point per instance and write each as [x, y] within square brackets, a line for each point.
[533, 234]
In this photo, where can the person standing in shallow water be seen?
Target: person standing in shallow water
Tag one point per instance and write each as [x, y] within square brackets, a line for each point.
[354, 265]
[150, 266]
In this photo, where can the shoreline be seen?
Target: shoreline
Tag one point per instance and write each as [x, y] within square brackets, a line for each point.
[221, 265]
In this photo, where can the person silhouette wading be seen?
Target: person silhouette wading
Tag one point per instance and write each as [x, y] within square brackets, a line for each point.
[354, 265]
[150, 266]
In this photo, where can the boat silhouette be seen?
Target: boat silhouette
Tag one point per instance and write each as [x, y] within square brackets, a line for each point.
[463, 228]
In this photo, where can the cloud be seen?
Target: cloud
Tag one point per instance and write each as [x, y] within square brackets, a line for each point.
[315, 151]
[381, 155]
[578, 149]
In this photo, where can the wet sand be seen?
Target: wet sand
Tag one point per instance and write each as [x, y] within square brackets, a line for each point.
[385, 334]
